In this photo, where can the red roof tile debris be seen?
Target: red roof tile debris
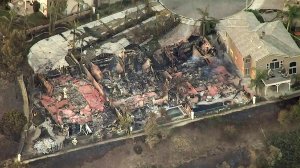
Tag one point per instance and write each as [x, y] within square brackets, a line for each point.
[64, 109]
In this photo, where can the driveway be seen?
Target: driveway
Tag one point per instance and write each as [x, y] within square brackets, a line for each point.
[216, 8]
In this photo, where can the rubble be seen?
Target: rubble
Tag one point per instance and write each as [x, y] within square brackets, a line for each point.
[131, 83]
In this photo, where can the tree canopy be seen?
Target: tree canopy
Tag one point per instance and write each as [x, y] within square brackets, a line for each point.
[12, 124]
[257, 81]
[289, 145]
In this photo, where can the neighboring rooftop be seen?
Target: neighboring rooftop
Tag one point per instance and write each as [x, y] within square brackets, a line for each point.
[267, 4]
[258, 39]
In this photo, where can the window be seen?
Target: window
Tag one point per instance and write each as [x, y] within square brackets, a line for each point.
[293, 68]
[274, 64]
[247, 60]
[247, 71]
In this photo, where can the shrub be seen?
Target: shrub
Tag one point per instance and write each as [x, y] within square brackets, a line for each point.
[290, 116]
[12, 124]
[181, 143]
[12, 50]
[138, 149]
[152, 131]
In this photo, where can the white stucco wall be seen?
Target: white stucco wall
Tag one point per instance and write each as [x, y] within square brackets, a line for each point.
[72, 6]
[43, 7]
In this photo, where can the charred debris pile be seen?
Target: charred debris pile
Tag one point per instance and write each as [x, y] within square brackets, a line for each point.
[93, 97]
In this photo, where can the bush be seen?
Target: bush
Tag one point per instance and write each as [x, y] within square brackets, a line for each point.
[181, 143]
[138, 149]
[12, 164]
[12, 124]
[287, 151]
[290, 116]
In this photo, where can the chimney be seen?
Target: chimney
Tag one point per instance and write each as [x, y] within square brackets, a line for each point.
[263, 33]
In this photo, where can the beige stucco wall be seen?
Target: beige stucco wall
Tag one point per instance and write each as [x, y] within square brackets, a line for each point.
[72, 6]
[286, 60]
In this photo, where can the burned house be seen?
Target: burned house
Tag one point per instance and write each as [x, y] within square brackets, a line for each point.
[92, 96]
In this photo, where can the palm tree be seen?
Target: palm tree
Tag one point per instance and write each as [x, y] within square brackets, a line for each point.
[207, 22]
[125, 121]
[257, 81]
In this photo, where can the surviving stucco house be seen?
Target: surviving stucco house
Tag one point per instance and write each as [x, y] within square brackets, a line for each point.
[260, 46]
[73, 6]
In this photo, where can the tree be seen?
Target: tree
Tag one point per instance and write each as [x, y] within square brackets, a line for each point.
[12, 124]
[257, 81]
[152, 131]
[207, 23]
[292, 13]
[288, 152]
[13, 49]
[55, 11]
[268, 157]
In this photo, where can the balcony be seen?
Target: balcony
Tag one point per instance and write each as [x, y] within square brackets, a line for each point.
[276, 78]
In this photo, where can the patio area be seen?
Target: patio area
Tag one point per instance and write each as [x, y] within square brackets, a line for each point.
[277, 83]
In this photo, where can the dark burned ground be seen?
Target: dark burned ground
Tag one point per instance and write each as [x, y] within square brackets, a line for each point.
[202, 144]
[10, 99]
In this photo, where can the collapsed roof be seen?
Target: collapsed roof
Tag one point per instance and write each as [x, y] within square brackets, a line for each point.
[73, 100]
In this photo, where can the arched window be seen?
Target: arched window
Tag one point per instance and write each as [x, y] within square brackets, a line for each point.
[293, 68]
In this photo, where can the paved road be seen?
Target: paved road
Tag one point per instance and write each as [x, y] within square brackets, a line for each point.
[216, 8]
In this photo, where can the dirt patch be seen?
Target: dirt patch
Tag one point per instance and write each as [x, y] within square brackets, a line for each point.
[8, 148]
[10, 97]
